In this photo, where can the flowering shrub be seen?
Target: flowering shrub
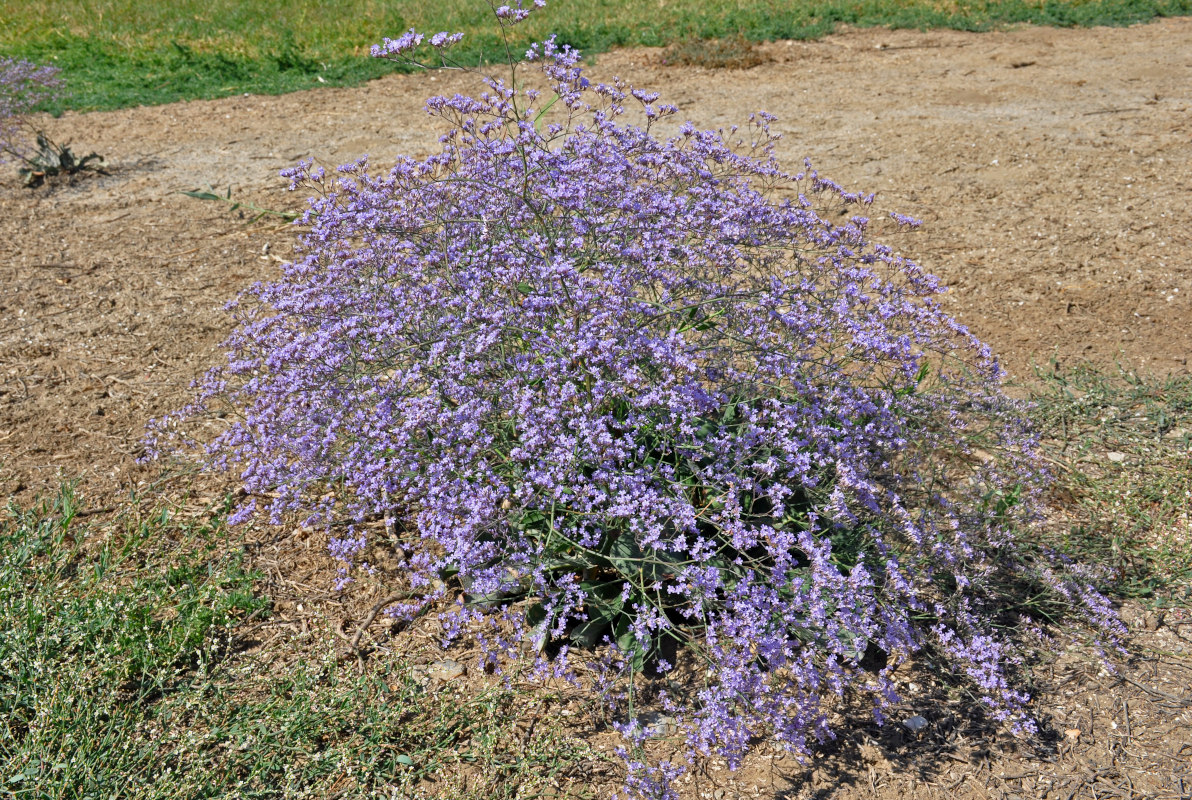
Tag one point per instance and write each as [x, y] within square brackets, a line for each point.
[22, 86]
[638, 394]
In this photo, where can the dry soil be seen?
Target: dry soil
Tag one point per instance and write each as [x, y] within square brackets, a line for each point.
[1052, 171]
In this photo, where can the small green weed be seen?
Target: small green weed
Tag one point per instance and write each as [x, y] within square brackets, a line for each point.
[1121, 446]
[240, 205]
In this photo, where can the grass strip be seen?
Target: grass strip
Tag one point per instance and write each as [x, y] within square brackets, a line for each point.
[120, 53]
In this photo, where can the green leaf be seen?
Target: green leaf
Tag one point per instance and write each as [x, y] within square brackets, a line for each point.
[603, 590]
[535, 614]
[203, 195]
[924, 368]
[589, 634]
[530, 519]
[634, 650]
[711, 320]
[538, 117]
[1008, 500]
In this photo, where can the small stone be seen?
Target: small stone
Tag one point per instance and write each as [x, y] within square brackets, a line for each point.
[1072, 733]
[1116, 457]
[658, 725]
[443, 671]
[915, 723]
[1153, 620]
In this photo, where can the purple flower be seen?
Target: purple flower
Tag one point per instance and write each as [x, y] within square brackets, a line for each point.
[511, 16]
[22, 86]
[624, 395]
[443, 39]
[399, 46]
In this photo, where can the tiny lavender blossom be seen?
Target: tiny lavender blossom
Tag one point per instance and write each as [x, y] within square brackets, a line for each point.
[443, 39]
[624, 396]
[22, 86]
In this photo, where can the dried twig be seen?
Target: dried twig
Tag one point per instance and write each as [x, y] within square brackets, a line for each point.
[1183, 702]
[92, 511]
[354, 641]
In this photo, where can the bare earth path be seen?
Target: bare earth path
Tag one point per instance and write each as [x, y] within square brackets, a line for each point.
[1052, 169]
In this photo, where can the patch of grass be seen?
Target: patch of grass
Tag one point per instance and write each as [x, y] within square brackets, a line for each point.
[118, 53]
[123, 673]
[1121, 446]
[90, 643]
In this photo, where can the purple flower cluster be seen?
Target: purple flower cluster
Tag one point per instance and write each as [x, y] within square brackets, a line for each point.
[646, 782]
[22, 86]
[507, 15]
[642, 395]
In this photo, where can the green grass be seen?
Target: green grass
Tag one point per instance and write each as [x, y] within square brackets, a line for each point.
[1121, 449]
[123, 674]
[118, 53]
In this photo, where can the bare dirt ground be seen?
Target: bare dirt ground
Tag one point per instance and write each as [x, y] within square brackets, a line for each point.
[1052, 169]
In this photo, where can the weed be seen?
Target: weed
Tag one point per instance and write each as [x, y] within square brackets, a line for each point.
[51, 159]
[210, 194]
